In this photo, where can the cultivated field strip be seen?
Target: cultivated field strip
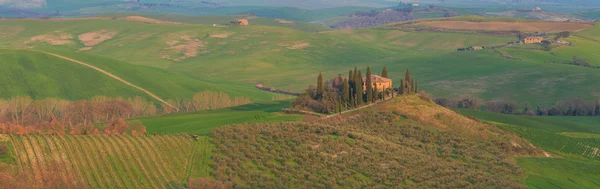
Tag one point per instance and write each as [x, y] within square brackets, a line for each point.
[113, 161]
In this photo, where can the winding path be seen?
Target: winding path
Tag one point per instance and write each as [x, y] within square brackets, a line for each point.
[108, 74]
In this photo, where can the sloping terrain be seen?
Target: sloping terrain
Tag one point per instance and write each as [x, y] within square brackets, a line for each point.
[203, 122]
[575, 140]
[26, 73]
[41, 76]
[406, 142]
[289, 59]
[112, 161]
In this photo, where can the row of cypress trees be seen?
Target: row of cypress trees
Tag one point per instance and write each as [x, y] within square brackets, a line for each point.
[352, 94]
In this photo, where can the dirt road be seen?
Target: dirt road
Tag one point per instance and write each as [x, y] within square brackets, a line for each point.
[108, 74]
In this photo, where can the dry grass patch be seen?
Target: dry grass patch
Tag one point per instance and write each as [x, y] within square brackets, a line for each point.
[147, 20]
[221, 35]
[507, 26]
[52, 39]
[284, 21]
[184, 48]
[94, 38]
[85, 49]
[296, 46]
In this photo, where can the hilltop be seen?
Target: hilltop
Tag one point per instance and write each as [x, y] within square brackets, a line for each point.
[404, 142]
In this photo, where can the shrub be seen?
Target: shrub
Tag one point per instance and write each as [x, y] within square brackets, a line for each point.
[424, 96]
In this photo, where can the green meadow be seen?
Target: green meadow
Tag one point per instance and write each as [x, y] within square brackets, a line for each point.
[290, 59]
[573, 139]
[203, 122]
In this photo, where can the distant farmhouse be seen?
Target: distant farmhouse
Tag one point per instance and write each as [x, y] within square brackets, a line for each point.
[382, 83]
[240, 22]
[533, 40]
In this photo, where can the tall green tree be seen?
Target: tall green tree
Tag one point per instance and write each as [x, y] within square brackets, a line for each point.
[597, 109]
[408, 83]
[416, 87]
[359, 89]
[351, 86]
[384, 73]
[402, 87]
[369, 83]
[412, 86]
[320, 85]
[375, 93]
[346, 91]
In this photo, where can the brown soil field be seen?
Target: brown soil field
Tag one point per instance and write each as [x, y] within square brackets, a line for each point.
[147, 20]
[186, 47]
[52, 39]
[507, 26]
[94, 38]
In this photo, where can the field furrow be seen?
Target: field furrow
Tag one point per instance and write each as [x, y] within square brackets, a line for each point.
[103, 181]
[100, 159]
[152, 170]
[52, 159]
[153, 158]
[177, 158]
[136, 175]
[21, 155]
[161, 157]
[119, 175]
[37, 172]
[72, 171]
[79, 161]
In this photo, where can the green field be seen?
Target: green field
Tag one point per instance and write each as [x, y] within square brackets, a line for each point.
[41, 76]
[27, 73]
[114, 161]
[546, 173]
[573, 138]
[222, 20]
[290, 59]
[203, 122]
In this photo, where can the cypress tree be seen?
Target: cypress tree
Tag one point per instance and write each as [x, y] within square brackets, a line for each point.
[350, 75]
[346, 91]
[375, 93]
[320, 85]
[412, 84]
[401, 91]
[416, 86]
[597, 109]
[369, 84]
[359, 89]
[384, 73]
[407, 76]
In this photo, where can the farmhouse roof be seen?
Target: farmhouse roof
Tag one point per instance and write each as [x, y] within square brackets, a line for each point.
[377, 79]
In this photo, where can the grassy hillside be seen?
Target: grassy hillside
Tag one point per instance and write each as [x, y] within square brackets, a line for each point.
[545, 173]
[40, 76]
[406, 142]
[113, 161]
[290, 59]
[202, 123]
[30, 73]
[210, 20]
[573, 138]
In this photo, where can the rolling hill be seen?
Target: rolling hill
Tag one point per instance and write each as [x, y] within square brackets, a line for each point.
[576, 139]
[39, 75]
[290, 59]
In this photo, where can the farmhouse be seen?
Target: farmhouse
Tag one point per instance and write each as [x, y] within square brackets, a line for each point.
[382, 83]
[242, 22]
[533, 40]
[476, 48]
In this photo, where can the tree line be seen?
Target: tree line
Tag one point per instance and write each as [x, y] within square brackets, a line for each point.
[23, 115]
[354, 91]
[569, 107]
